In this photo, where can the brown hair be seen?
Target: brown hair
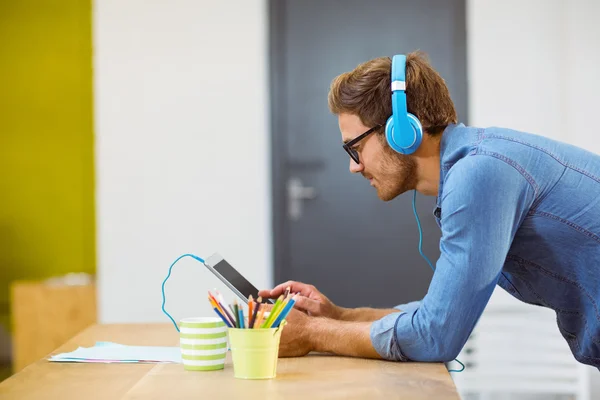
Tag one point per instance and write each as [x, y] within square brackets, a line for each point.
[366, 92]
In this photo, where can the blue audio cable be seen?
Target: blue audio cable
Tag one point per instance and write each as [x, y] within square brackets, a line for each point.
[165, 281]
[427, 259]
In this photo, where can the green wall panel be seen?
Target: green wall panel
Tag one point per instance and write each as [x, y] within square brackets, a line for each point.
[46, 140]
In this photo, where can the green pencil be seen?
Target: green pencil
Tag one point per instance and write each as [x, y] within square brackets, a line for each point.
[273, 312]
[237, 316]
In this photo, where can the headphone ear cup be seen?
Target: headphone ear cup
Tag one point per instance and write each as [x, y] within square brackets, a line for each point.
[416, 135]
[389, 135]
[417, 128]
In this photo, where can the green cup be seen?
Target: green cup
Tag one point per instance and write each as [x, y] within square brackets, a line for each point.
[255, 352]
[203, 343]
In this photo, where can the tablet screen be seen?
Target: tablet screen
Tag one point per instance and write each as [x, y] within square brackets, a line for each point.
[236, 279]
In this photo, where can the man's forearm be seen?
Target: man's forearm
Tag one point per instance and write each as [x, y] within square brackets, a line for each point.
[364, 314]
[342, 338]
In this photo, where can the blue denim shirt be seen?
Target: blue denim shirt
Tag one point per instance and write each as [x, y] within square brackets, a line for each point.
[517, 210]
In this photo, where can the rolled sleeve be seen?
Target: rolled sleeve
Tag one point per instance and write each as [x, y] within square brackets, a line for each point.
[484, 202]
[383, 337]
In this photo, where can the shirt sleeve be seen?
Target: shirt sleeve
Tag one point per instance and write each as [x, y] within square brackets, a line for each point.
[484, 201]
[413, 305]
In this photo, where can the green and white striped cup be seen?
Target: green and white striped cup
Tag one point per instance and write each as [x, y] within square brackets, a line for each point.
[203, 343]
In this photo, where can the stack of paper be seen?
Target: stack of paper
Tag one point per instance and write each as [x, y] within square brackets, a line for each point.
[107, 352]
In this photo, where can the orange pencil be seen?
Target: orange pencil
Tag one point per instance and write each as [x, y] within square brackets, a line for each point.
[250, 307]
[213, 304]
[259, 319]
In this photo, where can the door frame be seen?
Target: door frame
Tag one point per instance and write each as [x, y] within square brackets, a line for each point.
[279, 172]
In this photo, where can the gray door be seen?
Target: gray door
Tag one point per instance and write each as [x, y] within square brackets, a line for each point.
[330, 228]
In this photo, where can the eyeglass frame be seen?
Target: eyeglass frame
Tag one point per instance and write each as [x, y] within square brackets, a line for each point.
[353, 153]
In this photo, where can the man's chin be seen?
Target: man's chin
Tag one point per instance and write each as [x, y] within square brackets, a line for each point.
[388, 195]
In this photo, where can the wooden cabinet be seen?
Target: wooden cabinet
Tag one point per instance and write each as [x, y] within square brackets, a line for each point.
[46, 315]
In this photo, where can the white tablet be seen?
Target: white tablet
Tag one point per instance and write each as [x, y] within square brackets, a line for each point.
[232, 278]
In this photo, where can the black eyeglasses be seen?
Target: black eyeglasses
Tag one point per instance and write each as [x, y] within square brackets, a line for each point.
[349, 147]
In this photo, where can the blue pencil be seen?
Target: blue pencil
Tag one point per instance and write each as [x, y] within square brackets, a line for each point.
[286, 310]
[241, 313]
[222, 316]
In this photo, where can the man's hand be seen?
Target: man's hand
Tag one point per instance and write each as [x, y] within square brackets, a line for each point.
[316, 304]
[303, 334]
[311, 301]
[296, 335]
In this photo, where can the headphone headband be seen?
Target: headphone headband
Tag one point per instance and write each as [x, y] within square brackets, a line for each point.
[399, 73]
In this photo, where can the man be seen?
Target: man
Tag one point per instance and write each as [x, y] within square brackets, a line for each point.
[515, 209]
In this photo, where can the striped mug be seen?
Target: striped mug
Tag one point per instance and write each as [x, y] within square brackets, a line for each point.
[203, 343]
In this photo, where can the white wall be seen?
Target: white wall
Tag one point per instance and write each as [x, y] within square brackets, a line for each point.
[582, 63]
[515, 66]
[182, 150]
[532, 65]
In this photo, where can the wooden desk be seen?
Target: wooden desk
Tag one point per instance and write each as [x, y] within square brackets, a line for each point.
[311, 377]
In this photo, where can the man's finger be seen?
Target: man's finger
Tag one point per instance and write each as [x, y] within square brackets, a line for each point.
[277, 290]
[265, 293]
[295, 287]
[310, 305]
[281, 288]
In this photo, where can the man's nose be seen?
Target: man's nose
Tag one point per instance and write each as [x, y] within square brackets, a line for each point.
[354, 167]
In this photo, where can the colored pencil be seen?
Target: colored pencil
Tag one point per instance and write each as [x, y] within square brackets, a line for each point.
[271, 317]
[215, 303]
[275, 313]
[222, 317]
[255, 313]
[237, 314]
[214, 300]
[260, 316]
[223, 310]
[220, 296]
[286, 310]
[228, 314]
[227, 309]
[241, 312]
[250, 305]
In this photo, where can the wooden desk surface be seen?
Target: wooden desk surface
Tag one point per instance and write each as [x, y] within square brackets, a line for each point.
[311, 377]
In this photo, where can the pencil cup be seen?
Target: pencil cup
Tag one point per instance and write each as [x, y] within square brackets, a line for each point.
[255, 352]
[203, 343]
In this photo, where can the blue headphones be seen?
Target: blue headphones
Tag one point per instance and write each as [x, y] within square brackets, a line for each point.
[403, 130]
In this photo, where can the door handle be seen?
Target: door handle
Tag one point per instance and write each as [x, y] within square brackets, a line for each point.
[297, 193]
